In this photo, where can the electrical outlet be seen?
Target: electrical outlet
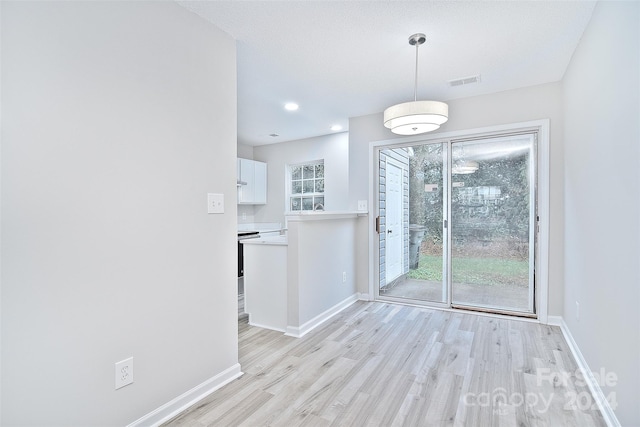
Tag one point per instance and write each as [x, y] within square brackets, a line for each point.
[577, 310]
[215, 203]
[362, 205]
[244, 216]
[344, 277]
[124, 372]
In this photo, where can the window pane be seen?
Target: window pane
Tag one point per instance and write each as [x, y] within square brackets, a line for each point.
[306, 180]
[308, 171]
[296, 172]
[491, 221]
[295, 203]
[308, 186]
[307, 203]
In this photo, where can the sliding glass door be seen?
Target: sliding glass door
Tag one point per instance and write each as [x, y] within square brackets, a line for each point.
[492, 224]
[457, 221]
[421, 275]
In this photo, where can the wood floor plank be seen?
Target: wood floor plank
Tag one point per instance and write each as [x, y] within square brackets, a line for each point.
[368, 366]
[381, 364]
[239, 412]
[316, 395]
[355, 412]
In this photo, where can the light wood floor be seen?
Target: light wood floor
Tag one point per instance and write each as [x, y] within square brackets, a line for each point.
[378, 364]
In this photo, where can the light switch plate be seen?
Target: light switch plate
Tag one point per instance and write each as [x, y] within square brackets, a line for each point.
[215, 203]
[362, 205]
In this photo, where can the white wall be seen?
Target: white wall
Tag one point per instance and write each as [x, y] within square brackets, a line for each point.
[334, 149]
[602, 199]
[245, 151]
[1, 293]
[118, 118]
[320, 251]
[519, 105]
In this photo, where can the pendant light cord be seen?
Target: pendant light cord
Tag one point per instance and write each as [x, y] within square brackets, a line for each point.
[415, 86]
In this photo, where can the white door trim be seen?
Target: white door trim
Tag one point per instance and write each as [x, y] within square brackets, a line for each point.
[542, 266]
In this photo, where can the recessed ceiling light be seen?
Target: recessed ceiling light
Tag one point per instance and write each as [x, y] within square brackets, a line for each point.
[336, 128]
[291, 106]
[273, 135]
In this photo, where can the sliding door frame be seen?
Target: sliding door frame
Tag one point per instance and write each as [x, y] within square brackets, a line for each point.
[542, 184]
[533, 244]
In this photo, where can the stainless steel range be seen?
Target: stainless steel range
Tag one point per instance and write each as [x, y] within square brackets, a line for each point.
[243, 235]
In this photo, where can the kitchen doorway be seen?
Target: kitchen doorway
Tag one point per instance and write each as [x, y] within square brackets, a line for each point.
[457, 220]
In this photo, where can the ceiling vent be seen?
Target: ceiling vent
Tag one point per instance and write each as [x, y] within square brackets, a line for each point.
[465, 81]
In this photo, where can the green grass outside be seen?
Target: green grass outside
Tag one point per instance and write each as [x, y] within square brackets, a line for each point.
[478, 271]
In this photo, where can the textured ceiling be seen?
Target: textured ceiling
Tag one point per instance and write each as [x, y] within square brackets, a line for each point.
[341, 59]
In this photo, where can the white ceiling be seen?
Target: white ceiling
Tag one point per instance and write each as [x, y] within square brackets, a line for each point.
[341, 59]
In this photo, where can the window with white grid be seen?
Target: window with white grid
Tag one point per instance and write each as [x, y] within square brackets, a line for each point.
[306, 187]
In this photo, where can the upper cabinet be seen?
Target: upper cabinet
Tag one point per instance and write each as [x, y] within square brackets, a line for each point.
[252, 182]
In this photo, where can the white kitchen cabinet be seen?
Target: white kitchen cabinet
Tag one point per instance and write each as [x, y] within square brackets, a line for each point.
[260, 183]
[252, 182]
[246, 179]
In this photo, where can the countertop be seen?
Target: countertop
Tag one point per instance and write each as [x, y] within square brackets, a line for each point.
[268, 240]
[262, 227]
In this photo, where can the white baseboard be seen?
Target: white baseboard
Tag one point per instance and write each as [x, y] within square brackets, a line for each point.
[259, 325]
[297, 332]
[603, 404]
[185, 400]
[364, 297]
[555, 321]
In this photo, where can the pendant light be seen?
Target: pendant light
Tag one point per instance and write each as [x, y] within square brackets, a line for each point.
[415, 117]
